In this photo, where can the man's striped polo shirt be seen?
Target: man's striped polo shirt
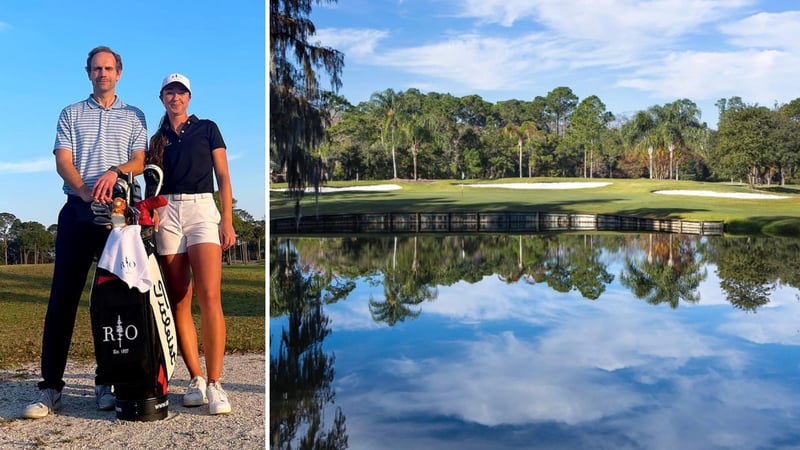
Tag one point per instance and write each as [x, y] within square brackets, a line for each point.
[98, 137]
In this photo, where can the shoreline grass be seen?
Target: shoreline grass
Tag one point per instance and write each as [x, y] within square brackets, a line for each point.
[773, 217]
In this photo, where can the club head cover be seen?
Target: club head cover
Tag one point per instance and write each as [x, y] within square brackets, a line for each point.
[100, 209]
[136, 191]
[154, 179]
[120, 189]
[144, 215]
[152, 202]
[132, 215]
[147, 205]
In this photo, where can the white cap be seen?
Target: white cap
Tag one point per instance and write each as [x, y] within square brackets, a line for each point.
[176, 78]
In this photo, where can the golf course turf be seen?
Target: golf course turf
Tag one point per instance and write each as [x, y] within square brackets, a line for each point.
[765, 211]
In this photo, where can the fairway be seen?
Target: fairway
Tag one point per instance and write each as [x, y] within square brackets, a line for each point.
[744, 211]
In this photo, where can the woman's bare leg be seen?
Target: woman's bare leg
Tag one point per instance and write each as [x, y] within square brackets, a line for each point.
[179, 288]
[206, 264]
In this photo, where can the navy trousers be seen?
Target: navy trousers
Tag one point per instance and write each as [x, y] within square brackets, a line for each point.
[78, 242]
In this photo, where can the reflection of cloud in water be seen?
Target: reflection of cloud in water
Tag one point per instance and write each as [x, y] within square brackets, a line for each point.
[554, 369]
[503, 380]
[353, 313]
[565, 376]
[621, 340]
[778, 322]
[475, 303]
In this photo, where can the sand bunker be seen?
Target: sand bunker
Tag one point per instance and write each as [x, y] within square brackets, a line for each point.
[556, 185]
[375, 188]
[739, 195]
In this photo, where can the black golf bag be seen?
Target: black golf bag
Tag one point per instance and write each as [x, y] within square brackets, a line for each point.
[133, 328]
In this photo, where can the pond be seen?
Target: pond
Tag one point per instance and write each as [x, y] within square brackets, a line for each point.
[608, 341]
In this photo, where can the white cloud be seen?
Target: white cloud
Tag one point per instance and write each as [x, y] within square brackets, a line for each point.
[756, 76]
[354, 43]
[636, 22]
[38, 165]
[765, 30]
[471, 60]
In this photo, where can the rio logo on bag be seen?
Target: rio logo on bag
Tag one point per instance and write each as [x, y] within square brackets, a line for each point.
[120, 333]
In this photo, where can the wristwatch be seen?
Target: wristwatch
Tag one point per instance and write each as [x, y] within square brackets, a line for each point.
[117, 171]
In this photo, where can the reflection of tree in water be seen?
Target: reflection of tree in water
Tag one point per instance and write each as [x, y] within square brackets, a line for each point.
[301, 373]
[669, 272]
[750, 269]
[563, 262]
[589, 275]
[572, 264]
[405, 284]
[658, 268]
[520, 271]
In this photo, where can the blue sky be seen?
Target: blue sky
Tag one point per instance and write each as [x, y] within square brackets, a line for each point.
[44, 43]
[632, 54]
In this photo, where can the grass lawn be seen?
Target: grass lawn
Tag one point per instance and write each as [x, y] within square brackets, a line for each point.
[622, 197]
[24, 291]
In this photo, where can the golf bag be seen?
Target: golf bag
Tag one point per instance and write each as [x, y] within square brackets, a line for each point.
[132, 324]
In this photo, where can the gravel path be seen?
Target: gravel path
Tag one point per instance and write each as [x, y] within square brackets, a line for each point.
[79, 425]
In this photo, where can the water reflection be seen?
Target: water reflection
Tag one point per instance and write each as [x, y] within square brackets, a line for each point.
[301, 372]
[546, 341]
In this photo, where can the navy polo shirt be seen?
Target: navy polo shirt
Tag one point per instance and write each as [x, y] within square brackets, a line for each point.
[188, 166]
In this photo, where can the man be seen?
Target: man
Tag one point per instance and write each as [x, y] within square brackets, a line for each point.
[97, 140]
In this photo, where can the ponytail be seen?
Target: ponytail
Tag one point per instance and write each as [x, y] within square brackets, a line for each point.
[157, 143]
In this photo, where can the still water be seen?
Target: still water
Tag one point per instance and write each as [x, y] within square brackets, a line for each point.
[613, 341]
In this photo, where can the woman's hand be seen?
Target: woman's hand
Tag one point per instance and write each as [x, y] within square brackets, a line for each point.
[227, 237]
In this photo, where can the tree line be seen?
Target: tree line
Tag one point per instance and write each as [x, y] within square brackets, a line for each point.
[31, 243]
[317, 135]
[413, 135]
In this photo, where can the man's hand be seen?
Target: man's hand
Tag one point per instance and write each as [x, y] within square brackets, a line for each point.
[104, 187]
[86, 194]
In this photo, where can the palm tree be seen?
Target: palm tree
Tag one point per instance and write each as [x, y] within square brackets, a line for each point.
[665, 129]
[515, 133]
[415, 130]
[683, 130]
[533, 137]
[526, 132]
[637, 136]
[386, 105]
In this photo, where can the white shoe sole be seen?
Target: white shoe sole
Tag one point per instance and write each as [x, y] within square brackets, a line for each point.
[36, 414]
[39, 413]
[220, 410]
[195, 402]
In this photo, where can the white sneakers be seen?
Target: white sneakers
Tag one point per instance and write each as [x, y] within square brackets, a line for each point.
[48, 401]
[199, 393]
[217, 399]
[104, 397]
[196, 392]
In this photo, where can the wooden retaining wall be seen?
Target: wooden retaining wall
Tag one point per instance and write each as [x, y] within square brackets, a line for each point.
[493, 222]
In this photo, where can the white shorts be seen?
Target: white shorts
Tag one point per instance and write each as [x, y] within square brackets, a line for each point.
[186, 220]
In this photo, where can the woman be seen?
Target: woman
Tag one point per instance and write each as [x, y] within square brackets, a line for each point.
[192, 235]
